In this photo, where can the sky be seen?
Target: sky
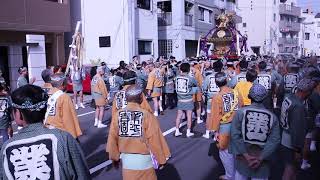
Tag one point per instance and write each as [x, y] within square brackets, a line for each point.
[315, 4]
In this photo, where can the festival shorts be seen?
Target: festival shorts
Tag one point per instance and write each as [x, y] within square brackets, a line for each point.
[156, 92]
[99, 99]
[77, 86]
[185, 105]
[209, 106]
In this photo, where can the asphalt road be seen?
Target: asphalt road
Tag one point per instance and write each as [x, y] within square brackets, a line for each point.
[189, 159]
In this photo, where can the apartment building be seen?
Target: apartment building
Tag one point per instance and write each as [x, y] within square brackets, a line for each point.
[116, 30]
[32, 35]
[310, 34]
[289, 27]
[182, 22]
[260, 22]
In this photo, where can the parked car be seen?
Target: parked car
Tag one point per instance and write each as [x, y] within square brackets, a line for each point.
[86, 83]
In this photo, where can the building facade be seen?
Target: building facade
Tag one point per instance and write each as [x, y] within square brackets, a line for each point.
[260, 22]
[310, 34]
[32, 35]
[289, 27]
[117, 30]
[182, 22]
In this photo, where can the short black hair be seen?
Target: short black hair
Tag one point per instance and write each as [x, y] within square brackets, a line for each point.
[185, 67]
[45, 74]
[221, 79]
[262, 65]
[129, 78]
[34, 94]
[243, 64]
[217, 66]
[251, 75]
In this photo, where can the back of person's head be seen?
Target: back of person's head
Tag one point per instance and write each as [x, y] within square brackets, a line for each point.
[251, 75]
[262, 65]
[221, 79]
[45, 74]
[217, 66]
[134, 93]
[31, 101]
[58, 80]
[22, 69]
[144, 64]
[122, 64]
[185, 67]
[243, 64]
[129, 78]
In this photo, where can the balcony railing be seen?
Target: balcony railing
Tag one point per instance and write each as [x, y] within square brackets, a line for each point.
[188, 20]
[165, 19]
[289, 41]
[290, 10]
[287, 26]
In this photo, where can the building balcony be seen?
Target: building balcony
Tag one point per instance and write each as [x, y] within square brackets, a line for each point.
[288, 41]
[35, 15]
[286, 26]
[165, 19]
[188, 20]
[290, 10]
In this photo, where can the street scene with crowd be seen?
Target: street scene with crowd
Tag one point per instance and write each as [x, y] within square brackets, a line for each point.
[222, 114]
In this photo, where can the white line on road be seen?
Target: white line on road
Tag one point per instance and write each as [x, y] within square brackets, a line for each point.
[108, 162]
[86, 113]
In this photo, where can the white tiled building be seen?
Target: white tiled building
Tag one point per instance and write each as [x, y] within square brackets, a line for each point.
[116, 30]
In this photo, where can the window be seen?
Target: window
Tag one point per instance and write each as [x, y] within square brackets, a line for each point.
[104, 41]
[201, 14]
[143, 4]
[244, 25]
[318, 36]
[210, 16]
[307, 36]
[319, 24]
[144, 47]
[165, 48]
[274, 17]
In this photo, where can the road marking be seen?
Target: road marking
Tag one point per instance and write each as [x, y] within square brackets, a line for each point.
[86, 113]
[108, 162]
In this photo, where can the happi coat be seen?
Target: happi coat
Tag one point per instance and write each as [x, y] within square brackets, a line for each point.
[155, 82]
[63, 115]
[99, 90]
[37, 152]
[136, 132]
[254, 130]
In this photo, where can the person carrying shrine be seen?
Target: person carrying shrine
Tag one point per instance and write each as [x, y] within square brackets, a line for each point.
[61, 113]
[38, 152]
[223, 107]
[135, 136]
[255, 135]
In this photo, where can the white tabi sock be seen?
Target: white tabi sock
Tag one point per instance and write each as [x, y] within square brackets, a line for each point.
[160, 108]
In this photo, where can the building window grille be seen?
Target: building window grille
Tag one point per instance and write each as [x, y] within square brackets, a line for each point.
[165, 48]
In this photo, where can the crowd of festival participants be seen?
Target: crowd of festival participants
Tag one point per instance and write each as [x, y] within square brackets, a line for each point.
[253, 108]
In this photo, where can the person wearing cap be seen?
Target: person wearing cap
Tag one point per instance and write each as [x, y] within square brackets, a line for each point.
[186, 87]
[136, 137]
[120, 102]
[243, 87]
[255, 136]
[267, 80]
[38, 152]
[45, 74]
[223, 107]
[294, 124]
[99, 93]
[154, 87]
[243, 66]
[22, 80]
[210, 88]
[61, 113]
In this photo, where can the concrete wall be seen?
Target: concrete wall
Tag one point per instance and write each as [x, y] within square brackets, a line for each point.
[124, 22]
[34, 15]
